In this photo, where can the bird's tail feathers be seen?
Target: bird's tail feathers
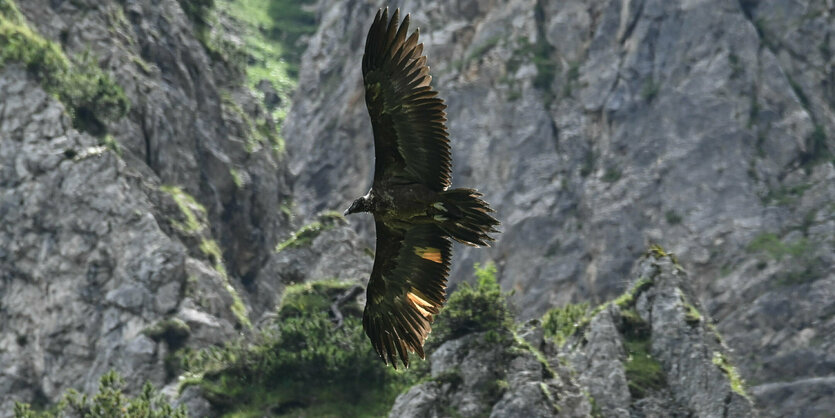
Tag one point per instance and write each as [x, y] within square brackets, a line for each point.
[465, 217]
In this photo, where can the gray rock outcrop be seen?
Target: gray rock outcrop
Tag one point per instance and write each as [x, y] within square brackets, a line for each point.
[649, 353]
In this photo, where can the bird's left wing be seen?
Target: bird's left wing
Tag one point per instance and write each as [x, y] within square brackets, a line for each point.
[407, 287]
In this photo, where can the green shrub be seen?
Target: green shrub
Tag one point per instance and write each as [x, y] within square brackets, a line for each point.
[473, 309]
[303, 363]
[110, 401]
[92, 97]
[561, 323]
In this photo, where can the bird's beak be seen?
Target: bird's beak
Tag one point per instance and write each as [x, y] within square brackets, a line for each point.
[347, 212]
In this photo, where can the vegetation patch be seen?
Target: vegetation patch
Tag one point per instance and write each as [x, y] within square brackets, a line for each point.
[258, 127]
[561, 323]
[198, 12]
[523, 345]
[650, 90]
[785, 195]
[237, 178]
[543, 56]
[571, 79]
[737, 68]
[769, 243]
[451, 377]
[546, 66]
[611, 175]
[302, 365]
[108, 142]
[816, 149]
[589, 159]
[497, 389]
[109, 401]
[549, 396]
[273, 30]
[472, 309]
[307, 233]
[90, 95]
[485, 46]
[644, 373]
[735, 380]
[190, 208]
[691, 315]
[212, 250]
[672, 217]
[195, 224]
[627, 299]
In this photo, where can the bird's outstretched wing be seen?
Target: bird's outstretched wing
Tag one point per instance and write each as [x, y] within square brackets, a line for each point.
[408, 119]
[407, 288]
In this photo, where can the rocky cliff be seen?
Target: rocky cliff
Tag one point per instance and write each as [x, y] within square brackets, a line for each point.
[149, 206]
[112, 226]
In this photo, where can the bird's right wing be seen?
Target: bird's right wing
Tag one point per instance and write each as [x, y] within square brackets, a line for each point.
[408, 119]
[407, 287]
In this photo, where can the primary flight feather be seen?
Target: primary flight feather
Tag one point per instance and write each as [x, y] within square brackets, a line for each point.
[414, 210]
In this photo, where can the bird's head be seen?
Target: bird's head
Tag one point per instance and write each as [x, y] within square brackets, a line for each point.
[362, 204]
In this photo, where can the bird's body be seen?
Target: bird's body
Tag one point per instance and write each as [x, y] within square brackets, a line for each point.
[414, 210]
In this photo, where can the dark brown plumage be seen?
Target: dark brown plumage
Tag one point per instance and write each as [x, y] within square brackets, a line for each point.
[414, 211]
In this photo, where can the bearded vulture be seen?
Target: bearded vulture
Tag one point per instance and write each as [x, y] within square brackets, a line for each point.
[415, 211]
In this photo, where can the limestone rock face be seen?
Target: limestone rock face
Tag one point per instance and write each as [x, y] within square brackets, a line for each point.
[595, 128]
[86, 267]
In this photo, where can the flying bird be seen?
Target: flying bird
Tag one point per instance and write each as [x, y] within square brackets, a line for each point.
[415, 211]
